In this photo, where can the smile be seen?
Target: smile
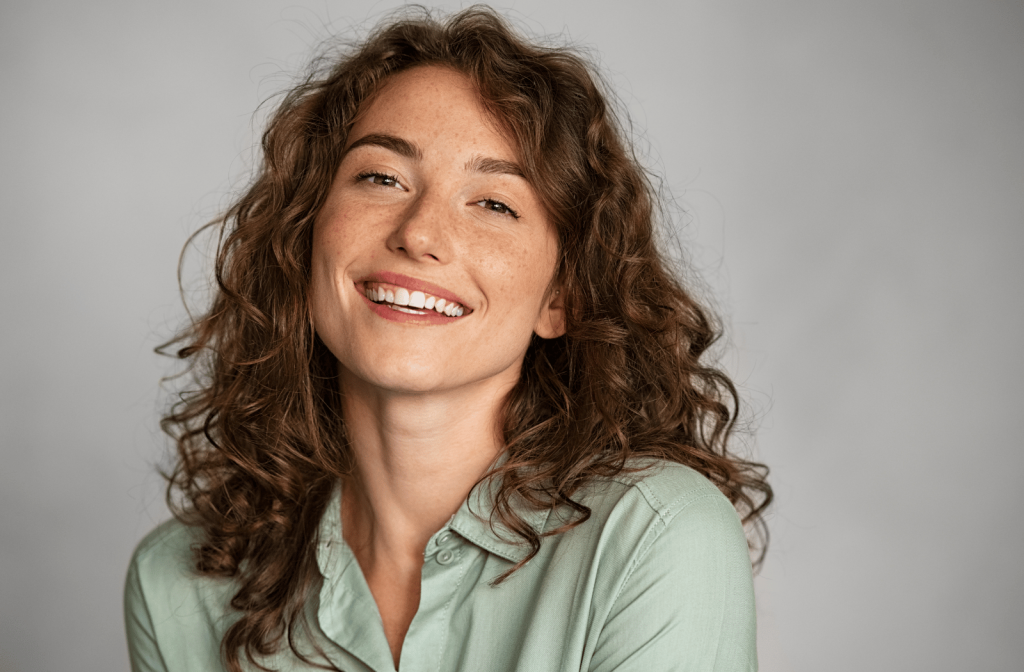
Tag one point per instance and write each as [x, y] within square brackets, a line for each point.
[413, 302]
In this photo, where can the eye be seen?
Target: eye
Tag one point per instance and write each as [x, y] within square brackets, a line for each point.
[497, 207]
[380, 179]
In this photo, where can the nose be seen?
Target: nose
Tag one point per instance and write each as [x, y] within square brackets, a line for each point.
[423, 232]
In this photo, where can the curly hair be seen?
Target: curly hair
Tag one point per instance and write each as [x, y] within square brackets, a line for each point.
[260, 438]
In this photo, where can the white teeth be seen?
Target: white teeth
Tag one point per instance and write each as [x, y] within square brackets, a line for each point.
[400, 296]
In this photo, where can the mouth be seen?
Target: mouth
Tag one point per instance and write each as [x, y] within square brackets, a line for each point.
[414, 302]
[411, 301]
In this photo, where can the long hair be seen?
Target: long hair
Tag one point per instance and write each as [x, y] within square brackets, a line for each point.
[260, 438]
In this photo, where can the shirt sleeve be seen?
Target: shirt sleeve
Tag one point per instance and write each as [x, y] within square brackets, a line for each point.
[687, 603]
[143, 650]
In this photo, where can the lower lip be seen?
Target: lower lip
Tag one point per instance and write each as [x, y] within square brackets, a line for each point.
[429, 317]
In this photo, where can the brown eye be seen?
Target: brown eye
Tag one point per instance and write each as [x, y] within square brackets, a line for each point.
[380, 179]
[497, 207]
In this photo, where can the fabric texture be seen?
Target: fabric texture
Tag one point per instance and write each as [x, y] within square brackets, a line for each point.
[657, 580]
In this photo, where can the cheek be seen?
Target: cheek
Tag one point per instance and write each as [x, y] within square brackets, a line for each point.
[327, 264]
[323, 304]
[521, 272]
[330, 237]
[338, 240]
[321, 263]
[534, 265]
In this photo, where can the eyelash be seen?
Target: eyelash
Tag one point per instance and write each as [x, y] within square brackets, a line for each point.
[490, 208]
[372, 173]
[489, 201]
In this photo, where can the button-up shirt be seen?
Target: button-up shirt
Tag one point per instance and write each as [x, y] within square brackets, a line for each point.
[657, 579]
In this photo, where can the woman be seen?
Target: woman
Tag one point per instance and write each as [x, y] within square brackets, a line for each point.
[451, 411]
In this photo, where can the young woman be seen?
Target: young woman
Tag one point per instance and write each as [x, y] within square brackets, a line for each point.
[452, 411]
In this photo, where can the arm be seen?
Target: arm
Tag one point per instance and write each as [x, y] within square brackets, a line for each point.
[687, 603]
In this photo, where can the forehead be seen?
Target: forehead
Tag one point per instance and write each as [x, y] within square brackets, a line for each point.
[432, 102]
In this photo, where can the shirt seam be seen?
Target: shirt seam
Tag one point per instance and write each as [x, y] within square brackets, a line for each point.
[648, 542]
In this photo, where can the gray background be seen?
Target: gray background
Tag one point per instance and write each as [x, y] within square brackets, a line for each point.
[853, 180]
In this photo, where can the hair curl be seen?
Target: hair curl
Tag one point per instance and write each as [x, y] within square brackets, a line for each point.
[260, 441]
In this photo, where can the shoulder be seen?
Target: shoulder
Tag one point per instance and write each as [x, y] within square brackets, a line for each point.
[672, 580]
[659, 497]
[664, 524]
[669, 487]
[163, 564]
[663, 516]
[168, 546]
[175, 617]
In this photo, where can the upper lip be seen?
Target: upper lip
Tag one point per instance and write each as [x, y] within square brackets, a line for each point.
[413, 284]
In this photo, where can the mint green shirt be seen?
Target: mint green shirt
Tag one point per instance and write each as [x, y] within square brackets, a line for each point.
[658, 579]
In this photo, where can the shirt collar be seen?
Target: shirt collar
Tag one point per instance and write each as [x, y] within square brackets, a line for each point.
[329, 534]
[473, 521]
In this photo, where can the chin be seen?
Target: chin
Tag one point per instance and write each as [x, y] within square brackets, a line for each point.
[400, 377]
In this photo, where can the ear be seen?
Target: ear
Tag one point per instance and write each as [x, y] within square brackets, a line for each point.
[551, 321]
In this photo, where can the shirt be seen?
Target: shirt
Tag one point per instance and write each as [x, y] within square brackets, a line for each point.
[657, 580]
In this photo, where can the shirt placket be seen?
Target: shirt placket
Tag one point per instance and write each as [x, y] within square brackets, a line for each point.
[347, 613]
[444, 567]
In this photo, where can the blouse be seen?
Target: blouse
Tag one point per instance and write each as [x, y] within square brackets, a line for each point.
[657, 580]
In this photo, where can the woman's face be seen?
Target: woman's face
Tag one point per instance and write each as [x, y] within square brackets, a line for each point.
[432, 258]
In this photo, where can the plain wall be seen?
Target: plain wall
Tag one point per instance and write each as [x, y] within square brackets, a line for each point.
[852, 178]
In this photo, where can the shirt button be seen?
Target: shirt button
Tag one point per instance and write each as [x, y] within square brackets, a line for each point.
[445, 557]
[443, 539]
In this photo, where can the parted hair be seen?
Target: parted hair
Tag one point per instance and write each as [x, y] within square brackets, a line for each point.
[259, 433]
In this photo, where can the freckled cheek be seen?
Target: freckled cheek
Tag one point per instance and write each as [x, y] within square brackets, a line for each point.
[344, 238]
[520, 278]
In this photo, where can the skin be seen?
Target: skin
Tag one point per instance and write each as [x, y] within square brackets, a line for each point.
[422, 400]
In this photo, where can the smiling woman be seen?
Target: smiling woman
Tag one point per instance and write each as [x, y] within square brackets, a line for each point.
[451, 409]
[429, 204]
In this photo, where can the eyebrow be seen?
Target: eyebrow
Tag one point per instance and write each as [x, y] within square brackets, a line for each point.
[402, 147]
[480, 164]
[391, 142]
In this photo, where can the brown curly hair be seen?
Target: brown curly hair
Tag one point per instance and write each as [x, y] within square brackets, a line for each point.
[260, 440]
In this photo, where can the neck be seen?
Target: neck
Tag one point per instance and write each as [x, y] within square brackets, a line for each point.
[417, 456]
